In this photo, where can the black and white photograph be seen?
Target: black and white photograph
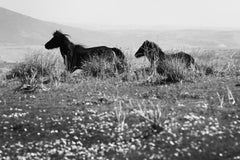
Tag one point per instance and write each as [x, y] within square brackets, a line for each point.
[119, 79]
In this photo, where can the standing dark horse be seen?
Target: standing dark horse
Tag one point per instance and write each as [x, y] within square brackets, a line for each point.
[156, 56]
[75, 56]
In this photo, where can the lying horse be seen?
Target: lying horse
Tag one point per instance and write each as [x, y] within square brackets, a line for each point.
[74, 56]
[156, 56]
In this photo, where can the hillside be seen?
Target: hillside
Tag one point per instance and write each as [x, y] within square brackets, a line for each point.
[19, 29]
[24, 30]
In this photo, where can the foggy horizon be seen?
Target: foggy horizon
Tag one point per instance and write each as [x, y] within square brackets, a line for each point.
[140, 14]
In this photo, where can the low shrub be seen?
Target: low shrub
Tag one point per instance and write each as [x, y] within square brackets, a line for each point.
[175, 70]
[38, 68]
[101, 68]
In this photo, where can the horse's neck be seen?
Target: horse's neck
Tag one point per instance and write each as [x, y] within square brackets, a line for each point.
[160, 55]
[81, 47]
[155, 56]
[157, 53]
[66, 47]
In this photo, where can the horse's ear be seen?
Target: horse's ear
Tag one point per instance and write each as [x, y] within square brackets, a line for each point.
[67, 35]
[57, 32]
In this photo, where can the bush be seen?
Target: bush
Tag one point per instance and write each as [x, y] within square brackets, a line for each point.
[38, 68]
[175, 70]
[100, 67]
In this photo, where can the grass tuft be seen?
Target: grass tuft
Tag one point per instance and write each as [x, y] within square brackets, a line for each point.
[101, 68]
[38, 69]
[175, 70]
[115, 119]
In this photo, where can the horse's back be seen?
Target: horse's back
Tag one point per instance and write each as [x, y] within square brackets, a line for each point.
[186, 57]
[100, 52]
[99, 48]
[104, 51]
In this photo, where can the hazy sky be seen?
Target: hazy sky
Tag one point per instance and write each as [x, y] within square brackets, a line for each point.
[188, 13]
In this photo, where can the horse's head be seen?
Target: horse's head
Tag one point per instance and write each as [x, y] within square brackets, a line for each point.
[57, 40]
[145, 48]
[151, 50]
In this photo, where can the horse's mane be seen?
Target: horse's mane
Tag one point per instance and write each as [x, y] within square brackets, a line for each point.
[154, 45]
[80, 46]
[58, 33]
[65, 36]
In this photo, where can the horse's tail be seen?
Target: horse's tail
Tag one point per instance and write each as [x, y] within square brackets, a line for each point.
[122, 64]
[119, 54]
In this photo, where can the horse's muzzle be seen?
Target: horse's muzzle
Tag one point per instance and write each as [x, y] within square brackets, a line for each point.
[138, 54]
[46, 46]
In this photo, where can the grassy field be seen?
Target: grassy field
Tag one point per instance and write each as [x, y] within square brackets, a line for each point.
[122, 117]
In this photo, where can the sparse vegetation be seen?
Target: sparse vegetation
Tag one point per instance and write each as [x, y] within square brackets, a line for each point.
[175, 70]
[98, 67]
[111, 118]
[38, 69]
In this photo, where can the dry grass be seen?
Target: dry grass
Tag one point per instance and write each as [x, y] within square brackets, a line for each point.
[107, 118]
[38, 68]
[175, 70]
[99, 67]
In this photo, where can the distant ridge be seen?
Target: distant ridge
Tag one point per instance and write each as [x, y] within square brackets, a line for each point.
[19, 29]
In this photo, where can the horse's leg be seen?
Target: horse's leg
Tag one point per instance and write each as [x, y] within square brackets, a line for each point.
[154, 60]
[66, 62]
[115, 62]
[154, 72]
[71, 62]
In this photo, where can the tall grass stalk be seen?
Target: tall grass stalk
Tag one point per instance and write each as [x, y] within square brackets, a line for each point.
[230, 96]
[221, 100]
[121, 116]
[152, 114]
